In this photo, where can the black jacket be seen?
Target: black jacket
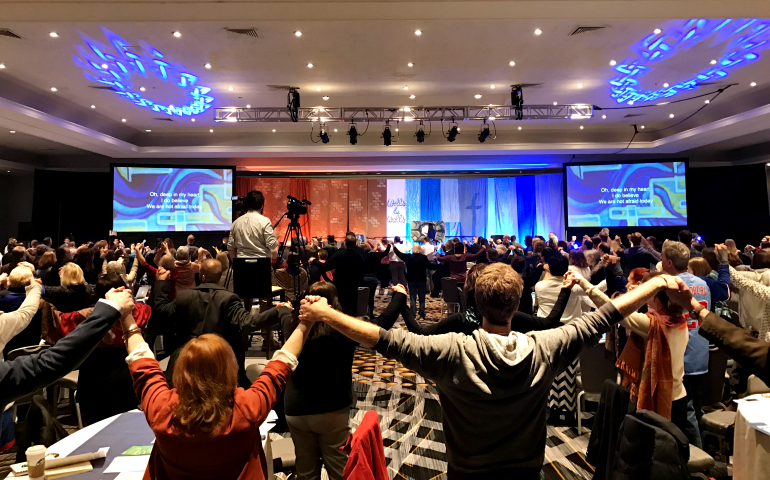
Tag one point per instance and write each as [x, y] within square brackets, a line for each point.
[614, 404]
[349, 266]
[638, 257]
[752, 353]
[650, 447]
[25, 375]
[417, 266]
[207, 308]
[70, 299]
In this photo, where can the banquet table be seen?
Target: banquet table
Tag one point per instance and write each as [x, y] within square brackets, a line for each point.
[751, 451]
[120, 433]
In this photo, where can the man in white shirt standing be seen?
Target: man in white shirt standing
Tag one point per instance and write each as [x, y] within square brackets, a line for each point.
[429, 251]
[251, 236]
[547, 290]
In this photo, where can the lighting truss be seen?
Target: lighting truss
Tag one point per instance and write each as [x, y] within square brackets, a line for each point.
[355, 114]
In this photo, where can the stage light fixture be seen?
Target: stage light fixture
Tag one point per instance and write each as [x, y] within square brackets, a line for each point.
[387, 136]
[292, 103]
[517, 101]
[324, 135]
[484, 133]
[420, 133]
[353, 133]
[575, 246]
[452, 133]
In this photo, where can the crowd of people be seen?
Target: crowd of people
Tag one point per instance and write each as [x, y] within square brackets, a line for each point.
[530, 311]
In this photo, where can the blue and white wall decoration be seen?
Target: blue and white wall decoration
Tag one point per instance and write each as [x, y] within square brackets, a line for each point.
[120, 61]
[744, 39]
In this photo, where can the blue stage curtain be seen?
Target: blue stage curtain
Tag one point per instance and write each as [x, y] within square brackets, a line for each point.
[412, 204]
[430, 199]
[450, 206]
[526, 204]
[473, 209]
[503, 208]
[550, 205]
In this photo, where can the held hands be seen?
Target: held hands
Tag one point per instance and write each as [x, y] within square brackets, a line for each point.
[673, 285]
[163, 273]
[311, 308]
[721, 250]
[122, 297]
[399, 288]
[285, 304]
[570, 280]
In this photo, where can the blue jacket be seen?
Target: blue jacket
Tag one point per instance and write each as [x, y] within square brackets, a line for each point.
[720, 288]
[696, 355]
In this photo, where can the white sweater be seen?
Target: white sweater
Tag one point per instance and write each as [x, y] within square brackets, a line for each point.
[754, 299]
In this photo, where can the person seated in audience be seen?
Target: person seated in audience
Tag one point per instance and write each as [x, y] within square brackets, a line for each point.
[547, 291]
[320, 424]
[206, 426]
[186, 269]
[11, 300]
[104, 384]
[493, 384]
[46, 272]
[73, 294]
[285, 277]
[207, 308]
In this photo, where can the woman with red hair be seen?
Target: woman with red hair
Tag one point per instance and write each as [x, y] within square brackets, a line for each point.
[207, 427]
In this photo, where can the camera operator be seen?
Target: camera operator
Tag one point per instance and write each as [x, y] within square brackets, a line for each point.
[251, 235]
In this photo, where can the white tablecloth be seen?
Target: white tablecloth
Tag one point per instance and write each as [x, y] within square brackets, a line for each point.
[751, 460]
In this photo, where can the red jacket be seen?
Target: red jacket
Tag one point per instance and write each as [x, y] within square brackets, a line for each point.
[367, 454]
[236, 453]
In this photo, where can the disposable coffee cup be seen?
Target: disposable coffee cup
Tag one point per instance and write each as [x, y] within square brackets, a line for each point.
[36, 462]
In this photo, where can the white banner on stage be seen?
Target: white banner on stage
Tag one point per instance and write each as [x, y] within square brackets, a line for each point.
[397, 208]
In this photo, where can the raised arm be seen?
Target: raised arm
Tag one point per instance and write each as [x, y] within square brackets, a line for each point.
[401, 255]
[162, 304]
[389, 316]
[27, 374]
[246, 322]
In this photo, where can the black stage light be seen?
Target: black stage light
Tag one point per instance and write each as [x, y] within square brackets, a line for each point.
[451, 135]
[420, 133]
[324, 136]
[353, 134]
[484, 133]
[293, 104]
[517, 101]
[386, 136]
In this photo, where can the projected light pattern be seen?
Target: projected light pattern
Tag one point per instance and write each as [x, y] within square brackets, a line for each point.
[115, 65]
[745, 37]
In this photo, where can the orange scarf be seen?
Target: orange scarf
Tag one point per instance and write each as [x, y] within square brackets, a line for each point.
[650, 380]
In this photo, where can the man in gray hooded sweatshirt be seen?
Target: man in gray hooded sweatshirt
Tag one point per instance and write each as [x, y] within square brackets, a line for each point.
[493, 384]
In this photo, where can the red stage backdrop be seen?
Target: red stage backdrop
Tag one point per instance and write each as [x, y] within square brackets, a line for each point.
[339, 205]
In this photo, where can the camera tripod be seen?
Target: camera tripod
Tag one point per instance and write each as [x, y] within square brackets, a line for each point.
[294, 235]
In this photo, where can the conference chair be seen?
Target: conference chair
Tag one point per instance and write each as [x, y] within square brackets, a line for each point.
[595, 367]
[720, 422]
[450, 296]
[23, 352]
[362, 302]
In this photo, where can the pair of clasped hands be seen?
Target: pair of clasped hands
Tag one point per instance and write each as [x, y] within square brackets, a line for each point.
[311, 307]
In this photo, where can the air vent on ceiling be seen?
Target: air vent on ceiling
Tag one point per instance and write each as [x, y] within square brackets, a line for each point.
[584, 29]
[4, 32]
[101, 87]
[630, 115]
[252, 32]
[164, 119]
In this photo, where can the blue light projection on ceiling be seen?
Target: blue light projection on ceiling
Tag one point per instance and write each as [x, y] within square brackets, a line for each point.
[746, 38]
[115, 65]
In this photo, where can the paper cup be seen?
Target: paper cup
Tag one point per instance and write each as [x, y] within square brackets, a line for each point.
[36, 462]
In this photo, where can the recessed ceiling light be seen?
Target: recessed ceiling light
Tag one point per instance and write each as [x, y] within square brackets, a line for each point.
[230, 88]
[707, 102]
[192, 119]
[93, 106]
[604, 116]
[555, 103]
[753, 84]
[208, 65]
[670, 115]
[54, 35]
[411, 96]
[297, 33]
[642, 127]
[309, 65]
[211, 130]
[335, 129]
[406, 87]
[519, 128]
[105, 66]
[54, 89]
[396, 129]
[512, 63]
[318, 88]
[248, 106]
[141, 89]
[123, 120]
[492, 87]
[538, 31]
[177, 34]
[657, 31]
[477, 96]
[581, 127]
[13, 131]
[580, 85]
[148, 130]
[613, 62]
[2, 65]
[713, 62]
[418, 32]
[273, 130]
[630, 102]
[410, 64]
[325, 97]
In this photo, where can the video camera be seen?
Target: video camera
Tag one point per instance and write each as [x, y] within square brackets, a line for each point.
[296, 207]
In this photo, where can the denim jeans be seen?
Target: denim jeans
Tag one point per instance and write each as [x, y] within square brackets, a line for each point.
[692, 383]
[415, 289]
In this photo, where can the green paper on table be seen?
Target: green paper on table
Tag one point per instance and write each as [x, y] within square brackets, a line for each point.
[138, 451]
